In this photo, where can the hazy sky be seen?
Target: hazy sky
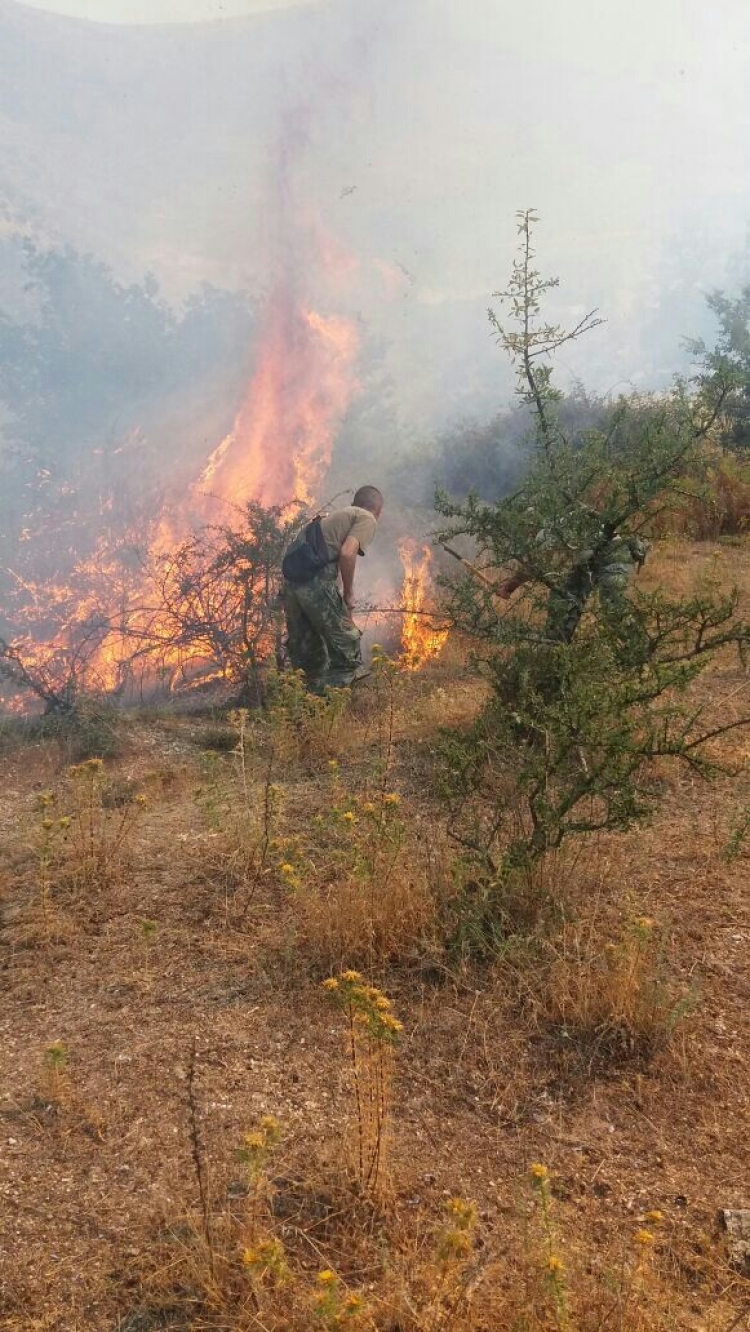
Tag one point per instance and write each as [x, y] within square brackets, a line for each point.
[160, 11]
[398, 137]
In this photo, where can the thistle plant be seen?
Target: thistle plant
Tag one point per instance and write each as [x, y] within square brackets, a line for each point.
[266, 1263]
[446, 1276]
[56, 1076]
[333, 1306]
[98, 836]
[372, 1032]
[255, 1153]
[387, 678]
[243, 805]
[51, 830]
[302, 725]
[554, 1267]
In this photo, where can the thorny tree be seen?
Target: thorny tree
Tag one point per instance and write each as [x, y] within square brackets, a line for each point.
[587, 689]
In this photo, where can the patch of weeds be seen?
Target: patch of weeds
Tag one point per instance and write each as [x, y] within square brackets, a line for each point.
[216, 739]
[605, 1002]
[91, 730]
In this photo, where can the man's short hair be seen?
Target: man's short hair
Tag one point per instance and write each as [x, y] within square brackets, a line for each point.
[368, 497]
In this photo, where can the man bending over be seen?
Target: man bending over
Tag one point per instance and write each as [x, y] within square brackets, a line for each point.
[322, 638]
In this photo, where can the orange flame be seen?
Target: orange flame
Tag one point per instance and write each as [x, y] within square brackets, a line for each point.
[421, 640]
[278, 452]
[281, 444]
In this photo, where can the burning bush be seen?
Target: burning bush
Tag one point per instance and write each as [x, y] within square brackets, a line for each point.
[215, 608]
[208, 608]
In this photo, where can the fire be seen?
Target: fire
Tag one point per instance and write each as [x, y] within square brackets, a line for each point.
[278, 452]
[421, 640]
[281, 444]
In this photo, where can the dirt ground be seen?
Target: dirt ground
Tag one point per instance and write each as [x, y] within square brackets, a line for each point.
[202, 1007]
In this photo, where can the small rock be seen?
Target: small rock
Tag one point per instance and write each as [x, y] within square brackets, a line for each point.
[736, 1222]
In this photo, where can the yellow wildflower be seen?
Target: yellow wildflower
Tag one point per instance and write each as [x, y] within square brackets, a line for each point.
[645, 922]
[354, 1303]
[47, 824]
[538, 1171]
[286, 869]
[333, 764]
[255, 1141]
[368, 807]
[391, 798]
[464, 1212]
[349, 817]
[382, 1003]
[331, 984]
[644, 1237]
[392, 1023]
[655, 1216]
[555, 1264]
[251, 1257]
[351, 976]
[327, 1277]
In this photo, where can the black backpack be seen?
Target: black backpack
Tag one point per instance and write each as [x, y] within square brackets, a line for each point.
[306, 556]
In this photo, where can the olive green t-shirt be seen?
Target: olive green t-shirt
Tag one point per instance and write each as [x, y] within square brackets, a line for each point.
[351, 521]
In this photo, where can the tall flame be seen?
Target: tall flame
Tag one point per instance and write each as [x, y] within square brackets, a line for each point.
[421, 640]
[281, 444]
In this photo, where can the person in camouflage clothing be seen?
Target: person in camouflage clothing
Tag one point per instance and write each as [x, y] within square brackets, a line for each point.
[606, 567]
[322, 638]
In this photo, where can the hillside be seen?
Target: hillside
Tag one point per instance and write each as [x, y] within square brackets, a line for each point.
[152, 1015]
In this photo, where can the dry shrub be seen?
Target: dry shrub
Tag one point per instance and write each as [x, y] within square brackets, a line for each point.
[715, 504]
[242, 806]
[302, 726]
[323, 1258]
[364, 890]
[88, 846]
[610, 999]
[99, 836]
[331, 1250]
[365, 922]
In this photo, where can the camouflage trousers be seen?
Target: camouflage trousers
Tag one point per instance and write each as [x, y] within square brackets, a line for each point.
[322, 639]
[567, 603]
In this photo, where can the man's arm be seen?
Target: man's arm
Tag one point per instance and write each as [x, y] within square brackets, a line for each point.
[347, 565]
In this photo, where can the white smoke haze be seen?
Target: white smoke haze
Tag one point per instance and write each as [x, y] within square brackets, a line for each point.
[427, 126]
[344, 174]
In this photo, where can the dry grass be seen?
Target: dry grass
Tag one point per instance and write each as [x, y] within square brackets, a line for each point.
[184, 993]
[610, 999]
